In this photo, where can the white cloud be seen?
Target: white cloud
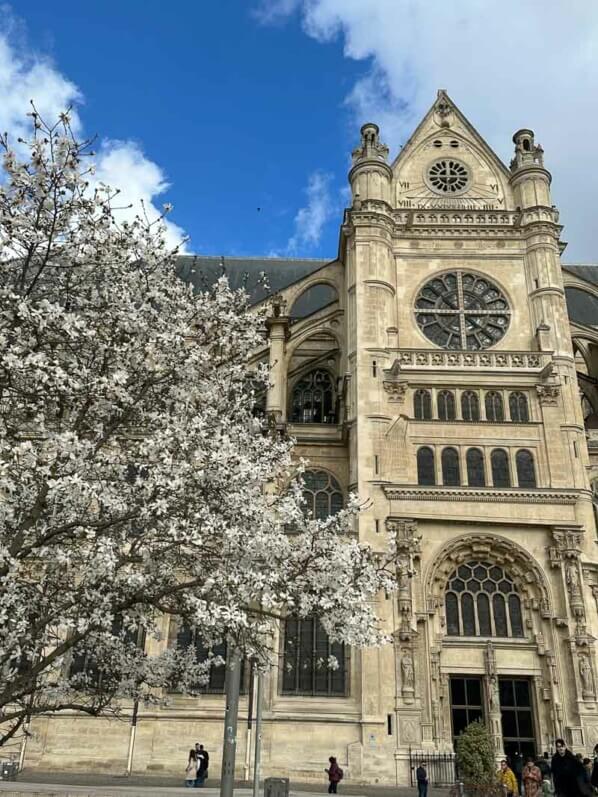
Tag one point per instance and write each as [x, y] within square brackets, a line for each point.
[271, 12]
[26, 75]
[507, 65]
[310, 219]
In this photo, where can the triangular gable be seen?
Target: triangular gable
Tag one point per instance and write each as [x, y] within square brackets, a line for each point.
[445, 135]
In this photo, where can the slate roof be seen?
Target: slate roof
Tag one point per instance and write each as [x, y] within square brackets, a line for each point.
[588, 272]
[202, 270]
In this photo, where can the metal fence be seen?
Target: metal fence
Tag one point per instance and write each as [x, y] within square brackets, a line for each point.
[441, 767]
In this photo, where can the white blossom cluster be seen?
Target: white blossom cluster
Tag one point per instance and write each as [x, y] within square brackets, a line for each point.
[135, 481]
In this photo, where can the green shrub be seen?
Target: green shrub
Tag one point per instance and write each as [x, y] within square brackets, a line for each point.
[475, 755]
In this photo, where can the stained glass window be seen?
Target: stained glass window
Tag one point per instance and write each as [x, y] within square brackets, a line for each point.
[451, 474]
[526, 474]
[494, 407]
[481, 600]
[501, 475]
[470, 406]
[422, 405]
[518, 407]
[425, 466]
[446, 405]
[461, 310]
[313, 398]
[305, 661]
[476, 475]
[322, 493]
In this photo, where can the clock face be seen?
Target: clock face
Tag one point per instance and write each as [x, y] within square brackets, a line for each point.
[461, 310]
[447, 176]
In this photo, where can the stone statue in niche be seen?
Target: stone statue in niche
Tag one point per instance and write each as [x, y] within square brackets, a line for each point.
[573, 580]
[585, 673]
[407, 671]
[493, 696]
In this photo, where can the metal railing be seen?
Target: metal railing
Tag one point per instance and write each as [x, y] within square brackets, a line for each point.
[440, 767]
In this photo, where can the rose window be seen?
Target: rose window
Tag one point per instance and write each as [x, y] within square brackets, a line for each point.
[460, 310]
[448, 176]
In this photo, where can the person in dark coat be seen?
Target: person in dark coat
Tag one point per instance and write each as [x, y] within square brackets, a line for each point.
[203, 762]
[567, 772]
[517, 767]
[335, 775]
[421, 776]
[594, 775]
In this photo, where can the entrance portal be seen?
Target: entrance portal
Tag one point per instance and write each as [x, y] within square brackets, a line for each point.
[517, 717]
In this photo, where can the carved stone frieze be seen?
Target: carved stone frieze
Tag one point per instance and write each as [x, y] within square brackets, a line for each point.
[408, 546]
[394, 383]
[423, 358]
[548, 394]
[400, 492]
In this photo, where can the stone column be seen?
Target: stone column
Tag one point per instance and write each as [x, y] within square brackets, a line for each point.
[278, 329]
[493, 701]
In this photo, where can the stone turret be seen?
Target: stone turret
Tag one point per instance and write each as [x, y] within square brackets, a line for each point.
[370, 176]
[530, 180]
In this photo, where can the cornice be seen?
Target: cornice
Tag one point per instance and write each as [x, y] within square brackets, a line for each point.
[399, 492]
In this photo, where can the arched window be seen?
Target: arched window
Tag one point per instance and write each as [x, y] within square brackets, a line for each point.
[313, 299]
[481, 600]
[582, 306]
[322, 493]
[446, 405]
[451, 473]
[426, 473]
[84, 665]
[470, 406]
[422, 405]
[306, 651]
[526, 473]
[494, 407]
[476, 473]
[518, 407]
[313, 399]
[501, 476]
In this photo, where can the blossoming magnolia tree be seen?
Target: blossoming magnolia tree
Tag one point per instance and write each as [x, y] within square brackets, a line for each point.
[135, 482]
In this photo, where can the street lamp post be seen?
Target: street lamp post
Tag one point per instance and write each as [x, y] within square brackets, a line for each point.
[232, 685]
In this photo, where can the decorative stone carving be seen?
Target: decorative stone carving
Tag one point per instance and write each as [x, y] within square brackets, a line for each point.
[394, 383]
[566, 554]
[443, 110]
[408, 546]
[407, 672]
[548, 394]
[370, 147]
[586, 676]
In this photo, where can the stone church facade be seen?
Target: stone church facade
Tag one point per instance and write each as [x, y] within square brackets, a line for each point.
[445, 367]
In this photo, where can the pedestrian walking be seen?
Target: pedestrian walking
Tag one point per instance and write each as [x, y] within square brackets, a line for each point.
[203, 762]
[191, 770]
[335, 775]
[421, 775]
[543, 765]
[568, 773]
[517, 767]
[507, 779]
[532, 778]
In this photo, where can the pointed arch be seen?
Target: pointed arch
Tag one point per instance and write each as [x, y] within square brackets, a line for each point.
[528, 576]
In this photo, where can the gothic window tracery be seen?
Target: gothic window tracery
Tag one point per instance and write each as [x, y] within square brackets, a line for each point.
[481, 600]
[518, 407]
[461, 310]
[422, 405]
[322, 493]
[494, 407]
[470, 406]
[305, 657]
[313, 399]
[446, 405]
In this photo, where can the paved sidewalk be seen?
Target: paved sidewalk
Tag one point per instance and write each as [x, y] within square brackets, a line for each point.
[80, 784]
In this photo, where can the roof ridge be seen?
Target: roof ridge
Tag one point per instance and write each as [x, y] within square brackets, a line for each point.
[264, 257]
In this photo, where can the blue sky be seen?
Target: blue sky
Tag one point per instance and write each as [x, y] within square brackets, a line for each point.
[240, 105]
